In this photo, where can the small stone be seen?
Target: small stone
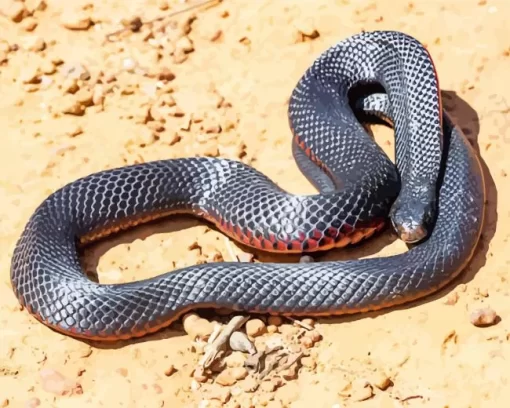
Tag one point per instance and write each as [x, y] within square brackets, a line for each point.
[361, 390]
[250, 384]
[306, 342]
[239, 341]
[163, 5]
[75, 20]
[170, 370]
[4, 403]
[225, 378]
[344, 387]
[380, 380]
[236, 359]
[69, 105]
[30, 74]
[55, 383]
[451, 299]
[199, 375]
[76, 71]
[73, 132]
[14, 10]
[483, 292]
[129, 64]
[29, 24]
[308, 322]
[255, 327]
[309, 362]
[184, 44]
[220, 394]
[197, 327]
[314, 335]
[267, 386]
[166, 75]
[48, 68]
[98, 95]
[271, 329]
[70, 86]
[290, 373]
[306, 259]
[195, 385]
[84, 97]
[239, 373]
[483, 317]
[275, 321]
[179, 56]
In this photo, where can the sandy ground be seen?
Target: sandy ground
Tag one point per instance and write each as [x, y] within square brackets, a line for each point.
[73, 103]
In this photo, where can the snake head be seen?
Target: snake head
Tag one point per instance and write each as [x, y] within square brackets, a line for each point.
[412, 216]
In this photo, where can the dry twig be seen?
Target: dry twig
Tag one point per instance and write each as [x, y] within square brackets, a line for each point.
[217, 346]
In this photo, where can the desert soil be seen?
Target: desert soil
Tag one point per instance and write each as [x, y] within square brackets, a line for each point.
[216, 81]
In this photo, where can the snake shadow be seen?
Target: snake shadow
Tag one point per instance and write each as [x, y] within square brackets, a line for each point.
[462, 114]
[467, 119]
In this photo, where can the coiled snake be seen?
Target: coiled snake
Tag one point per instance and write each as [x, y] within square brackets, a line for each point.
[434, 196]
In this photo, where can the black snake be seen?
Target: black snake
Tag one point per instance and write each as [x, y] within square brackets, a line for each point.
[434, 197]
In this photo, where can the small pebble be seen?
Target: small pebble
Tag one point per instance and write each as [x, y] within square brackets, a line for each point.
[380, 380]
[14, 10]
[170, 370]
[70, 85]
[451, 299]
[225, 378]
[184, 44]
[236, 359]
[309, 362]
[250, 384]
[239, 341]
[483, 317]
[271, 329]
[314, 335]
[239, 373]
[290, 373]
[361, 390]
[76, 71]
[33, 43]
[29, 24]
[199, 375]
[483, 292]
[255, 327]
[75, 20]
[197, 327]
[71, 106]
[219, 394]
[306, 342]
[30, 74]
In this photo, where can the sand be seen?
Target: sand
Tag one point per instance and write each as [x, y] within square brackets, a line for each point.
[235, 65]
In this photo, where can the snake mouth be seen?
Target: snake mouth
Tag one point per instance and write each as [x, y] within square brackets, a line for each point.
[410, 233]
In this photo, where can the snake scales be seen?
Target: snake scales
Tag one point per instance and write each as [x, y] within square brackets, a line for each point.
[434, 196]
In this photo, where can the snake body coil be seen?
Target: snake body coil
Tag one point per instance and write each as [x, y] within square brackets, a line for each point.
[434, 197]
